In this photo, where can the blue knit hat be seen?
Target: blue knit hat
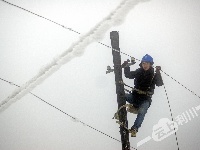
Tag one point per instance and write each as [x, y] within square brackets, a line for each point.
[147, 58]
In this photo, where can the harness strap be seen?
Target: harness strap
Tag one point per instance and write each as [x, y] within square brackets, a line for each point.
[137, 90]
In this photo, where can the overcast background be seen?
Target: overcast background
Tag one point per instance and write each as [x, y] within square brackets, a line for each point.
[168, 30]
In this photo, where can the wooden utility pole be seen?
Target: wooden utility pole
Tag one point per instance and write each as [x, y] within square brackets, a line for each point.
[114, 36]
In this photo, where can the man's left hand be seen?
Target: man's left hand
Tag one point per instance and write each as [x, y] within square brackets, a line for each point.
[158, 68]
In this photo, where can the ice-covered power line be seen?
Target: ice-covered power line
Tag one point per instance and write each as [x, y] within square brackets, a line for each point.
[116, 17]
[70, 29]
[72, 117]
[56, 23]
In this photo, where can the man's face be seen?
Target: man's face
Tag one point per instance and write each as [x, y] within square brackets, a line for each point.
[146, 65]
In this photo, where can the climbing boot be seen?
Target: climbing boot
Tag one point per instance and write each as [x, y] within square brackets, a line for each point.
[132, 109]
[133, 132]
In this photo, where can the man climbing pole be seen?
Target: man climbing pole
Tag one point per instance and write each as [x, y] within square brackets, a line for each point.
[144, 84]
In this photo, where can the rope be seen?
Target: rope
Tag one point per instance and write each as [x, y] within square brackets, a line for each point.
[11, 83]
[134, 89]
[171, 115]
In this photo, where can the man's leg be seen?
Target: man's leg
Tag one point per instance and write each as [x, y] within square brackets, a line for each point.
[129, 98]
[141, 114]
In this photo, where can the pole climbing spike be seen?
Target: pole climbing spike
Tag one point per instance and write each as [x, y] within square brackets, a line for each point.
[123, 125]
[132, 109]
[131, 131]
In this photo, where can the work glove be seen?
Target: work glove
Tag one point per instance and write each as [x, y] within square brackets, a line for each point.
[124, 64]
[158, 68]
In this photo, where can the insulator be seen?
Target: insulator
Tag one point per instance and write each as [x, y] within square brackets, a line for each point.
[108, 68]
[132, 59]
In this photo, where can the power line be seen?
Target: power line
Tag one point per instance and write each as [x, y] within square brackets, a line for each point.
[64, 27]
[74, 118]
[70, 29]
[41, 16]
[107, 47]
[181, 84]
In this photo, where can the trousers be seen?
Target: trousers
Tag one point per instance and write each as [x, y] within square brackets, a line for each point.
[142, 106]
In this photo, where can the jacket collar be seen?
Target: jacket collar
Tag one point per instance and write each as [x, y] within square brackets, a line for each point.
[150, 71]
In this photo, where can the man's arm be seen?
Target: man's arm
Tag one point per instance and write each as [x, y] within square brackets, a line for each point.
[129, 74]
[158, 77]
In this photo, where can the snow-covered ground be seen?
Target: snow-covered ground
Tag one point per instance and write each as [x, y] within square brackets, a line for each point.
[167, 30]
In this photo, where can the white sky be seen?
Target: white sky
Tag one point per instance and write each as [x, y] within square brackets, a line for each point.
[167, 30]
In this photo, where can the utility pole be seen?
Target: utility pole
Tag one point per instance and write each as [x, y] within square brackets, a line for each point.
[114, 36]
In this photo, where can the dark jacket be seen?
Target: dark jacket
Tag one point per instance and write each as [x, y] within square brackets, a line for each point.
[144, 80]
